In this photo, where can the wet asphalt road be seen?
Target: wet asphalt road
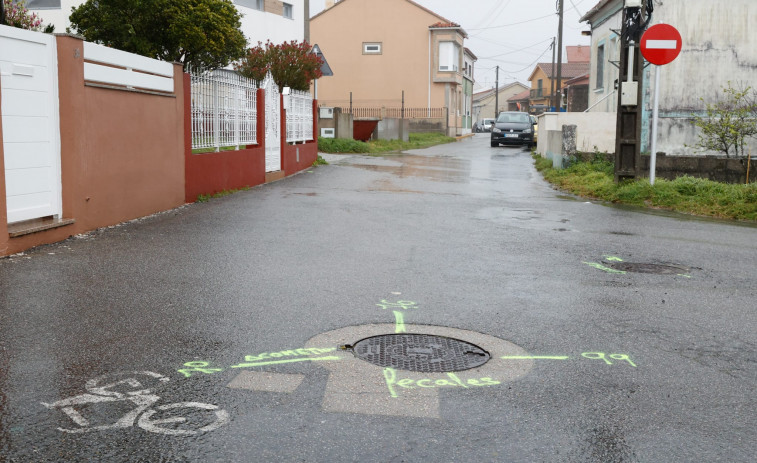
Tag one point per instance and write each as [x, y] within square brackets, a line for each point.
[255, 290]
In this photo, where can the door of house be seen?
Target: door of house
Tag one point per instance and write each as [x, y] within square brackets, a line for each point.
[272, 125]
[31, 130]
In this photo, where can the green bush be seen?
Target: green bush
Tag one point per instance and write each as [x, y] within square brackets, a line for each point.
[342, 145]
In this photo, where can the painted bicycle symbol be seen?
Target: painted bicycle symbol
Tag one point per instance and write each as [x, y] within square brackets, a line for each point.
[135, 388]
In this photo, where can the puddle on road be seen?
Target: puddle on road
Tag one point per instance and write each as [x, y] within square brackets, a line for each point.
[441, 169]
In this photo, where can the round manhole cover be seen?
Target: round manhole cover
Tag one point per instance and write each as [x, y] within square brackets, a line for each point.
[420, 352]
[659, 269]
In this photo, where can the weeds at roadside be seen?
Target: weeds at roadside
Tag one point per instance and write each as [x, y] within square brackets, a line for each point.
[202, 198]
[416, 141]
[685, 194]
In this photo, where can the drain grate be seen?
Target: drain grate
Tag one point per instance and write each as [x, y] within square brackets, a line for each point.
[658, 269]
[420, 352]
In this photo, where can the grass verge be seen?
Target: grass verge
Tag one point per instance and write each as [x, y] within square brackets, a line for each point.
[685, 194]
[416, 141]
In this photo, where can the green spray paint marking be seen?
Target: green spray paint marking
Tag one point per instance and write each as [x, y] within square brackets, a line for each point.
[198, 367]
[606, 269]
[404, 305]
[277, 362]
[602, 356]
[535, 357]
[390, 376]
[613, 259]
[283, 353]
[399, 322]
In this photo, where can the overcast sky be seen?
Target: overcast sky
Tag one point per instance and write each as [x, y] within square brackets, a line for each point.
[514, 34]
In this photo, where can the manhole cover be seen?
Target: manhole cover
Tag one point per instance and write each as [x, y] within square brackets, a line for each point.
[420, 352]
[659, 269]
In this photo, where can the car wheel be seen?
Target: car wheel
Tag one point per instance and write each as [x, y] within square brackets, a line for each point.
[494, 144]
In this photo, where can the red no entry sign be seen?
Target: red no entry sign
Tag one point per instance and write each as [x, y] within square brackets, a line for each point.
[661, 44]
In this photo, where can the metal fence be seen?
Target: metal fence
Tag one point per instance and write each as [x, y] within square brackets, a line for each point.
[376, 112]
[224, 109]
[299, 116]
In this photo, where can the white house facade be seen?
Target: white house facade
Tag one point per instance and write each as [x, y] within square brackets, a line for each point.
[262, 20]
[719, 46]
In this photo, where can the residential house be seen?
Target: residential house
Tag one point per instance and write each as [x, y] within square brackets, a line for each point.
[519, 102]
[382, 50]
[719, 46]
[544, 76]
[576, 94]
[469, 60]
[262, 20]
[484, 101]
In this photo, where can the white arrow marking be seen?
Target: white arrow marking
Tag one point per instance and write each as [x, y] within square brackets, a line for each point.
[662, 44]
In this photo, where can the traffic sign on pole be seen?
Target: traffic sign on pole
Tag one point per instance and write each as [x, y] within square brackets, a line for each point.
[661, 44]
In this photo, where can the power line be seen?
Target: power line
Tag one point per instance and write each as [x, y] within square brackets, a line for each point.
[513, 24]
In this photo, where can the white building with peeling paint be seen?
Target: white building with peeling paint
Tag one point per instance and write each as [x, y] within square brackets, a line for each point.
[719, 46]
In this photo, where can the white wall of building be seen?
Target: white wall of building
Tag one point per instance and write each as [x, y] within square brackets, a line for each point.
[719, 45]
[258, 26]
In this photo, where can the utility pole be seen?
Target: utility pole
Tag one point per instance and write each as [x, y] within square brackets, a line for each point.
[306, 22]
[496, 95]
[558, 92]
[630, 95]
[552, 81]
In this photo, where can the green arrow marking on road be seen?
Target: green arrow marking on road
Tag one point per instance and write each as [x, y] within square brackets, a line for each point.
[399, 324]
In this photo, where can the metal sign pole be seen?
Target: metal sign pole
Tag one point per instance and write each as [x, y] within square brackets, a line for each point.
[653, 157]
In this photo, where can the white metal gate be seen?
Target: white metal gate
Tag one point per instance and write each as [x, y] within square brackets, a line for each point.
[272, 125]
[31, 131]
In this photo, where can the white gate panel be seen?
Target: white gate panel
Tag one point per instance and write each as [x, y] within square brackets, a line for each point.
[31, 131]
[272, 125]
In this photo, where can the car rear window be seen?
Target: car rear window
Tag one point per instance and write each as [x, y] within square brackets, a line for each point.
[519, 118]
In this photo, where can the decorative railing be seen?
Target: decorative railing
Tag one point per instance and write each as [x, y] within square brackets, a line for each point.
[299, 116]
[381, 112]
[224, 109]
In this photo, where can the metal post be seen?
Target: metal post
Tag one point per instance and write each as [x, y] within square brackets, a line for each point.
[558, 86]
[496, 95]
[403, 105]
[653, 154]
[237, 111]
[350, 103]
[551, 79]
[216, 117]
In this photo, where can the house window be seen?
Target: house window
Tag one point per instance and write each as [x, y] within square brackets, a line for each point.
[540, 88]
[254, 4]
[371, 48]
[449, 56]
[288, 11]
[600, 67]
[43, 4]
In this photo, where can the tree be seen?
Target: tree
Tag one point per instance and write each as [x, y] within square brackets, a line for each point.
[729, 122]
[15, 14]
[291, 64]
[200, 33]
